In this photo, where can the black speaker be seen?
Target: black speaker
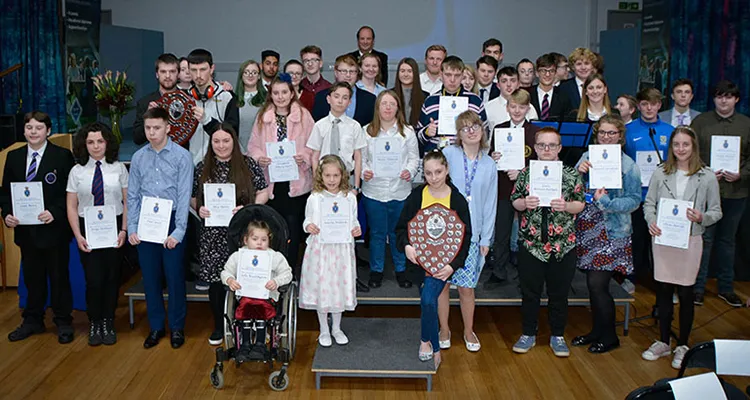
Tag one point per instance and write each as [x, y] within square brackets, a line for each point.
[11, 129]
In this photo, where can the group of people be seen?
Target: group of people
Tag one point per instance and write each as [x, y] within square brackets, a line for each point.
[335, 130]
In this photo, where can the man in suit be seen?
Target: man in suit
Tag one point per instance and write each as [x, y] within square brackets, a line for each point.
[493, 48]
[486, 69]
[44, 247]
[362, 105]
[681, 113]
[546, 98]
[584, 63]
[167, 71]
[365, 43]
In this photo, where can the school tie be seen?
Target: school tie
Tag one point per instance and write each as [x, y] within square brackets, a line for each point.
[31, 173]
[97, 186]
[482, 93]
[335, 139]
[681, 119]
[545, 107]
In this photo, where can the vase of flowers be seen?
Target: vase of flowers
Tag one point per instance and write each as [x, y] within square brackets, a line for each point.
[114, 95]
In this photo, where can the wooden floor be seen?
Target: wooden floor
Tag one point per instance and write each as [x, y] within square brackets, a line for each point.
[41, 368]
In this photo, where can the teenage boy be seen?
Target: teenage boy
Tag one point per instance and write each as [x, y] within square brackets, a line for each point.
[486, 69]
[546, 98]
[681, 113]
[496, 109]
[428, 130]
[365, 44]
[584, 63]
[733, 186]
[164, 170]
[493, 48]
[312, 60]
[269, 65]
[361, 104]
[214, 104]
[433, 58]
[45, 248]
[563, 72]
[167, 72]
[499, 261]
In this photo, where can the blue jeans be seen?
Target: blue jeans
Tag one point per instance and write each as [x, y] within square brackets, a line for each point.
[723, 233]
[430, 327]
[156, 263]
[514, 236]
[382, 218]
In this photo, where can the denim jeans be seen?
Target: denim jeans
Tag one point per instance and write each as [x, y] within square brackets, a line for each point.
[723, 234]
[514, 236]
[430, 327]
[382, 218]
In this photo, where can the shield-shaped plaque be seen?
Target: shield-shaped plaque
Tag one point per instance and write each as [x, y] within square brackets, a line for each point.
[181, 120]
[436, 233]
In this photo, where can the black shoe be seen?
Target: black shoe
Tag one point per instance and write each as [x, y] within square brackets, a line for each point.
[216, 338]
[153, 338]
[731, 298]
[698, 299]
[24, 331]
[582, 340]
[514, 258]
[258, 352]
[376, 280]
[599, 348]
[402, 281]
[493, 282]
[361, 287]
[64, 334]
[177, 339]
[95, 333]
[109, 335]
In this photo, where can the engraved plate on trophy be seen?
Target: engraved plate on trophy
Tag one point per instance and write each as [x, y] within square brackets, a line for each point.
[181, 120]
[436, 233]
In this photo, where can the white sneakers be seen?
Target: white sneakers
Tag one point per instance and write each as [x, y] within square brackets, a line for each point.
[660, 349]
[679, 354]
[325, 339]
[340, 338]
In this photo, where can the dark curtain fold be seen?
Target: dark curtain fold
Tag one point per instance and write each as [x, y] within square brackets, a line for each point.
[30, 33]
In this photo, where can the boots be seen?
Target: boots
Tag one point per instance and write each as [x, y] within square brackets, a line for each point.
[402, 281]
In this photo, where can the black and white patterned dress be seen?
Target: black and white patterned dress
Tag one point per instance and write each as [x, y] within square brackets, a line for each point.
[214, 252]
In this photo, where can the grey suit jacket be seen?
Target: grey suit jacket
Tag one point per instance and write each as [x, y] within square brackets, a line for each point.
[666, 116]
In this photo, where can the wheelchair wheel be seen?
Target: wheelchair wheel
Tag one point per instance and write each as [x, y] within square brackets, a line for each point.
[289, 327]
[217, 377]
[229, 305]
[278, 383]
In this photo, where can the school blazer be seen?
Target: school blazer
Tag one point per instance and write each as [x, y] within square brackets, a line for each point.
[559, 107]
[363, 111]
[53, 172]
[569, 89]
[666, 116]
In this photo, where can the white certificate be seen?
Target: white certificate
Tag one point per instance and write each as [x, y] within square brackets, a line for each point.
[253, 272]
[671, 218]
[27, 199]
[100, 227]
[510, 142]
[334, 220]
[698, 387]
[220, 200]
[725, 153]
[647, 161]
[283, 168]
[450, 107]
[606, 167]
[153, 222]
[387, 158]
[732, 357]
[545, 181]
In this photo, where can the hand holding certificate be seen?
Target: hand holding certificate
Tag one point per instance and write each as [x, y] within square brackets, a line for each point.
[606, 167]
[153, 222]
[253, 272]
[387, 157]
[510, 143]
[100, 227]
[334, 220]
[283, 167]
[220, 200]
[725, 153]
[545, 181]
[647, 161]
[27, 199]
[672, 219]
[450, 108]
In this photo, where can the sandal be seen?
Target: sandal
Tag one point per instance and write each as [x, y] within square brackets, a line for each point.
[445, 344]
[425, 356]
[473, 347]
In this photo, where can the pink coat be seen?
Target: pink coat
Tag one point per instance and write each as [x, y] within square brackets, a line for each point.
[299, 126]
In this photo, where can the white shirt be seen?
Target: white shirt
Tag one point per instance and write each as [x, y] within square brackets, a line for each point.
[497, 112]
[387, 189]
[676, 117]
[114, 175]
[682, 180]
[313, 214]
[540, 92]
[595, 117]
[351, 138]
[29, 156]
[486, 95]
[428, 85]
[579, 84]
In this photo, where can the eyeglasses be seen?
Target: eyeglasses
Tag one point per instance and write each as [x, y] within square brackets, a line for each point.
[608, 133]
[295, 73]
[546, 71]
[347, 71]
[562, 66]
[547, 146]
[470, 129]
[311, 61]
[250, 73]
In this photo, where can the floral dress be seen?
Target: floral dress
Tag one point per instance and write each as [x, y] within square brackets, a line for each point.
[596, 251]
[542, 231]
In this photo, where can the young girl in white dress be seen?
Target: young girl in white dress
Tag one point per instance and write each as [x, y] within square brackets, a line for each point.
[329, 274]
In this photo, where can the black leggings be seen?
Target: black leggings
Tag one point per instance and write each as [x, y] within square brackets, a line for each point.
[664, 293]
[602, 307]
[216, 295]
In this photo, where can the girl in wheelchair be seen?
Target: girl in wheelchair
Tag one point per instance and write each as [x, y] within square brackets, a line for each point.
[256, 237]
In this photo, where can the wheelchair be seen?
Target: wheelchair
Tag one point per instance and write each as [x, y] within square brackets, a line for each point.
[282, 329]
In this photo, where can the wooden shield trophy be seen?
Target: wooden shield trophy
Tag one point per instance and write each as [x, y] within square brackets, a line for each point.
[182, 123]
[436, 233]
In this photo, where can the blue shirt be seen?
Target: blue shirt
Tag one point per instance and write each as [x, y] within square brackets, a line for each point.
[166, 174]
[352, 103]
[638, 138]
[378, 87]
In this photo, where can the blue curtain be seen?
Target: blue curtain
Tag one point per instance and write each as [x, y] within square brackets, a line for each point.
[30, 33]
[710, 42]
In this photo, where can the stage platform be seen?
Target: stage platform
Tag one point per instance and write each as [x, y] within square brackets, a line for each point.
[364, 357]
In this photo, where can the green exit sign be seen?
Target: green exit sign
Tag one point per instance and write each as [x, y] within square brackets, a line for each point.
[623, 5]
[633, 5]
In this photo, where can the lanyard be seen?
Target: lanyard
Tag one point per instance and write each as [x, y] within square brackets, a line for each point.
[469, 179]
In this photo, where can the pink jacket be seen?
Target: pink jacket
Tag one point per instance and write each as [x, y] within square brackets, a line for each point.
[299, 126]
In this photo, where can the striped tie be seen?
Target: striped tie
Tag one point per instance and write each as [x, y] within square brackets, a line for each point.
[545, 107]
[31, 173]
[97, 186]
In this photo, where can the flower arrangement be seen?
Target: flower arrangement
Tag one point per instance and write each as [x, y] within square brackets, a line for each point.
[114, 95]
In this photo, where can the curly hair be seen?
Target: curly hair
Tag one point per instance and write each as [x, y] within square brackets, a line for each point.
[81, 152]
[331, 159]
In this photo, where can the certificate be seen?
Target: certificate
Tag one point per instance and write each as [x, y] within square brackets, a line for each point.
[153, 222]
[725, 153]
[545, 181]
[27, 199]
[450, 107]
[253, 272]
[606, 167]
[698, 387]
[387, 158]
[647, 161]
[283, 168]
[100, 227]
[671, 218]
[510, 142]
[334, 220]
[220, 200]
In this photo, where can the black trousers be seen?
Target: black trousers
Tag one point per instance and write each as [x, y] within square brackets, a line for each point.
[665, 306]
[102, 268]
[642, 255]
[534, 274]
[39, 265]
[216, 296]
[293, 211]
[602, 307]
[501, 247]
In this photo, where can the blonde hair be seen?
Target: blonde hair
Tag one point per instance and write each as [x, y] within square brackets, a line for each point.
[611, 119]
[520, 96]
[373, 129]
[582, 53]
[695, 163]
[470, 118]
[331, 159]
[259, 225]
[475, 88]
[584, 107]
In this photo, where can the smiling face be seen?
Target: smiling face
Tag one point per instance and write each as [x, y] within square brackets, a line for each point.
[406, 75]
[608, 134]
[35, 133]
[346, 73]
[517, 112]
[370, 67]
[96, 145]
[682, 146]
[433, 61]
[596, 90]
[485, 74]
[250, 75]
[546, 76]
[281, 95]
[222, 144]
[435, 173]
[471, 134]
[583, 68]
[331, 177]
[388, 108]
[295, 71]
[365, 40]
[467, 80]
